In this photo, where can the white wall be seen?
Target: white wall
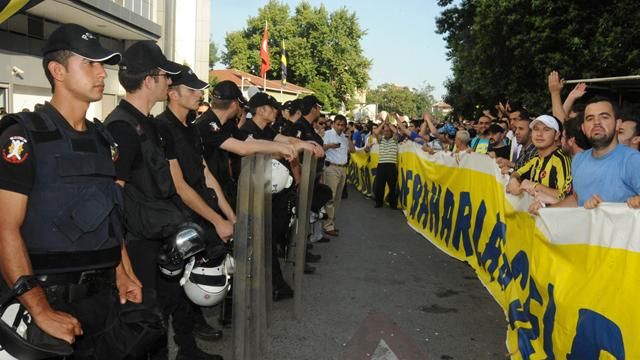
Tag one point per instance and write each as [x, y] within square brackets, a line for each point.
[192, 35]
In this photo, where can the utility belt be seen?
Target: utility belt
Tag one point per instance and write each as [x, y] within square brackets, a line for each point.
[327, 163]
[72, 286]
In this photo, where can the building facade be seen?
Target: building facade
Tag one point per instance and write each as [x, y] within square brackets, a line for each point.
[118, 23]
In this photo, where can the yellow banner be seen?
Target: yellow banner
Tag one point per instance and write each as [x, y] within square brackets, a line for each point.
[567, 280]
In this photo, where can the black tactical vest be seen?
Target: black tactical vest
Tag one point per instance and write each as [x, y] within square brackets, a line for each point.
[152, 208]
[73, 218]
[189, 156]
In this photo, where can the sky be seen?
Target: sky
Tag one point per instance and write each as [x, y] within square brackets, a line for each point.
[401, 39]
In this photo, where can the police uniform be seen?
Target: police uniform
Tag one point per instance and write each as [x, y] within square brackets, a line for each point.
[214, 134]
[182, 142]
[72, 227]
[281, 202]
[152, 206]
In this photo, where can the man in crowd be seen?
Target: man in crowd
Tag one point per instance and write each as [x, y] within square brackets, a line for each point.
[387, 170]
[609, 171]
[573, 140]
[550, 171]
[497, 147]
[57, 180]
[528, 151]
[480, 143]
[462, 140]
[629, 132]
[337, 148]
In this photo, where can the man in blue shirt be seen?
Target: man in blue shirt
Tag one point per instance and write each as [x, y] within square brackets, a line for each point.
[609, 172]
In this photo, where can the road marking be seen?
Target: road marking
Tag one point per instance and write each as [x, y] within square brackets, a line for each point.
[383, 352]
[379, 338]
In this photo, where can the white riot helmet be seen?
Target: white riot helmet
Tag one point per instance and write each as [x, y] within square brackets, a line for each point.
[205, 284]
[280, 177]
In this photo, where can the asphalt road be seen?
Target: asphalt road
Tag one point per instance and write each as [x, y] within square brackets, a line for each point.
[383, 292]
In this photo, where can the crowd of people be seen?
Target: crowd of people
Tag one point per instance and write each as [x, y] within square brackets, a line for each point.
[112, 224]
[585, 151]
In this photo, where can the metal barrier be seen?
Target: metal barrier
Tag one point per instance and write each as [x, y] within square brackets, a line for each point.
[252, 252]
[300, 231]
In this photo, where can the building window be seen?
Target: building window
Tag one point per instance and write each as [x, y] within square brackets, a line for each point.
[4, 96]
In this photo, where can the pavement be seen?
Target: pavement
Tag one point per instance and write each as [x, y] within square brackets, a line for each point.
[382, 292]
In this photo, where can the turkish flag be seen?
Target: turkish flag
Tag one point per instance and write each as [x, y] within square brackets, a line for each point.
[264, 53]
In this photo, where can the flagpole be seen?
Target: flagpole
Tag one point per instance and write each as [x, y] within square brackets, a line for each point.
[264, 82]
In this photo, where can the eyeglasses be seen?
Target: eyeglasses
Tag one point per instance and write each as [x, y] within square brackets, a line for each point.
[321, 123]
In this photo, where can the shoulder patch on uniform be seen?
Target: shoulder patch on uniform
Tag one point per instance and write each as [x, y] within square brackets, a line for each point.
[214, 126]
[115, 153]
[14, 152]
[299, 134]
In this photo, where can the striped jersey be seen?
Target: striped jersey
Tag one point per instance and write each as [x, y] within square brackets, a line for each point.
[552, 171]
[388, 150]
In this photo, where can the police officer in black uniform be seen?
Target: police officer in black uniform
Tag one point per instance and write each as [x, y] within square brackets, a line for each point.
[220, 137]
[153, 209]
[208, 207]
[62, 206]
[289, 114]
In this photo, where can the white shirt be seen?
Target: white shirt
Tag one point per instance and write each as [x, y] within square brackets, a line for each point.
[337, 156]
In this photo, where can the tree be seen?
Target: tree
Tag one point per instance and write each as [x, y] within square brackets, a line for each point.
[393, 99]
[323, 48]
[504, 49]
[213, 53]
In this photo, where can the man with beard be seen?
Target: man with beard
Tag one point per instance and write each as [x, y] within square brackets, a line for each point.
[608, 172]
[497, 147]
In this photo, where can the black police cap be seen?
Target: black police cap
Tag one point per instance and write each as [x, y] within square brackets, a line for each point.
[261, 99]
[310, 101]
[146, 55]
[80, 41]
[187, 78]
[228, 90]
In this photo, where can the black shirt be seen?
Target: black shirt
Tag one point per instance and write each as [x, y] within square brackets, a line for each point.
[213, 134]
[304, 131]
[189, 131]
[502, 152]
[129, 142]
[254, 130]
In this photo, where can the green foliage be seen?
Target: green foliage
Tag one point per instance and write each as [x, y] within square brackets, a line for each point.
[327, 94]
[213, 54]
[323, 48]
[504, 49]
[393, 98]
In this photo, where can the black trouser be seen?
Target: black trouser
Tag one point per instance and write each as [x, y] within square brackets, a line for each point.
[171, 296]
[279, 230]
[386, 174]
[110, 330]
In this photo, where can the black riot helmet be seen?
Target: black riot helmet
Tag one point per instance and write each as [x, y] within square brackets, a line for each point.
[187, 241]
[20, 337]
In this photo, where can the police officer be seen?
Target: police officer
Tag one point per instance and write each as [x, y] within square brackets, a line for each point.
[153, 209]
[183, 148]
[265, 108]
[62, 205]
[220, 136]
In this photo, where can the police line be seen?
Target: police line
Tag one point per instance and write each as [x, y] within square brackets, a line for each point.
[567, 280]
